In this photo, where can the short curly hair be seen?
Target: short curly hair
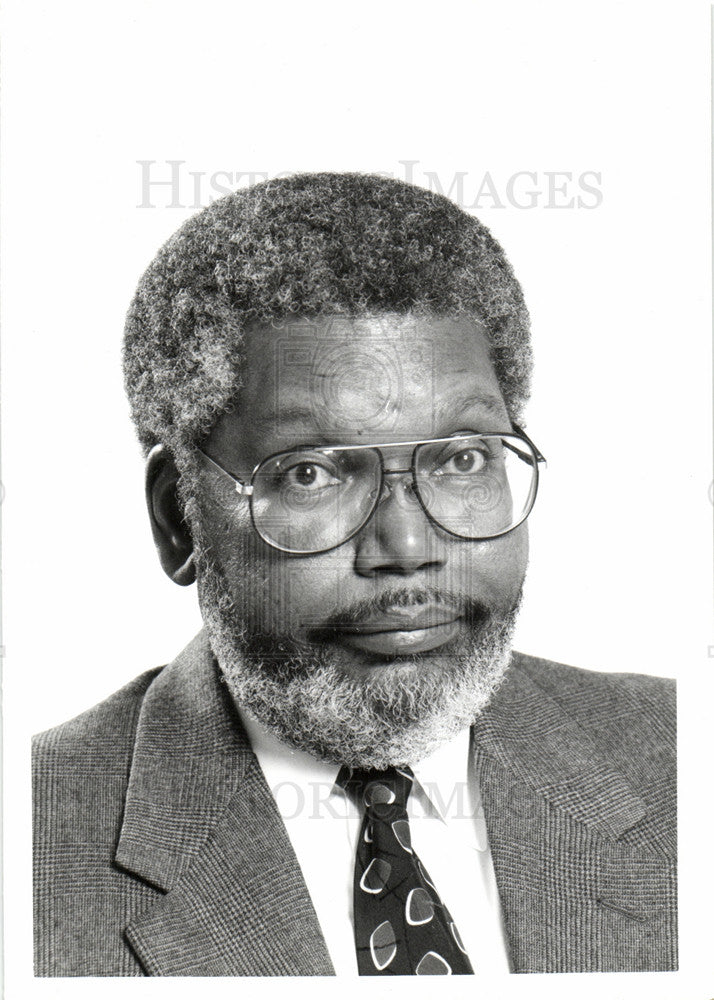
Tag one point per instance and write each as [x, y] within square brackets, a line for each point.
[315, 243]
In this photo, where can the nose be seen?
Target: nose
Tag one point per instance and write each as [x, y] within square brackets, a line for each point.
[399, 539]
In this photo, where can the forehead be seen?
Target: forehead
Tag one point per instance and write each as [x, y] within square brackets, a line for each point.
[384, 377]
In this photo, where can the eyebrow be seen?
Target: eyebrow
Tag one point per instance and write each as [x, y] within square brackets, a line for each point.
[492, 405]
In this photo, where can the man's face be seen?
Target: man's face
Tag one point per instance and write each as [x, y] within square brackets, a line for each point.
[400, 633]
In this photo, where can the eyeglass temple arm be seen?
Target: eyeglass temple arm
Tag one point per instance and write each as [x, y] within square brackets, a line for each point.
[245, 489]
[538, 454]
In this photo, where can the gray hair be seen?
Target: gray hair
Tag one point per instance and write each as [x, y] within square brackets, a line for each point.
[339, 243]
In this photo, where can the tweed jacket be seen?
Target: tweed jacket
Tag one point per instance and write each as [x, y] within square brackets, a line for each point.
[159, 849]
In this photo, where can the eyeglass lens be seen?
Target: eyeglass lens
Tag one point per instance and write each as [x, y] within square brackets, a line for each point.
[313, 500]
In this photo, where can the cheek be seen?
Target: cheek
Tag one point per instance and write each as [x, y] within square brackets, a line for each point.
[229, 543]
[272, 592]
[495, 569]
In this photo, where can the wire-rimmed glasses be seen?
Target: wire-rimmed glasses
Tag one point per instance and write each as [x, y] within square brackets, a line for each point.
[310, 500]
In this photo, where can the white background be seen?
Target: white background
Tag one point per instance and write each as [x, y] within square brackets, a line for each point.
[620, 573]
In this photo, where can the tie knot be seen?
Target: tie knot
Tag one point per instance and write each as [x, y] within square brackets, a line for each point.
[378, 791]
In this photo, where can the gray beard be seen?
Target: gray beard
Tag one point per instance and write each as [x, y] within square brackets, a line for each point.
[398, 715]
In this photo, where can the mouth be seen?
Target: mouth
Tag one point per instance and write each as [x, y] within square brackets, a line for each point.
[397, 631]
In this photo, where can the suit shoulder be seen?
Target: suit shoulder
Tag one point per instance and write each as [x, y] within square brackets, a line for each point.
[111, 723]
[607, 701]
[560, 677]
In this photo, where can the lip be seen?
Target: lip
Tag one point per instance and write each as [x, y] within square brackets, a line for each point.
[400, 631]
[417, 617]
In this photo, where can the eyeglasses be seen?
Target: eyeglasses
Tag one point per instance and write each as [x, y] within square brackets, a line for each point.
[311, 500]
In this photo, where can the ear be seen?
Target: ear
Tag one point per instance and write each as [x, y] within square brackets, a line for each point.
[171, 535]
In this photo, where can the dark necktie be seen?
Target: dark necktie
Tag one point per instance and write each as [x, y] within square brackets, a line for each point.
[402, 928]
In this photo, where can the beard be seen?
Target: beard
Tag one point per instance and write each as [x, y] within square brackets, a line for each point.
[397, 711]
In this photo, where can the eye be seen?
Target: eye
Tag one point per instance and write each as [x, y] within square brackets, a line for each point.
[310, 476]
[464, 463]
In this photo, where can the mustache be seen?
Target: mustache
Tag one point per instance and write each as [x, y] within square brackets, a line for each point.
[474, 612]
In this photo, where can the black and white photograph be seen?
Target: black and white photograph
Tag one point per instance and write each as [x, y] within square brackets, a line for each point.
[357, 498]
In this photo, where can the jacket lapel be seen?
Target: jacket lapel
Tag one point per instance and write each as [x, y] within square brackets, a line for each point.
[580, 882]
[201, 825]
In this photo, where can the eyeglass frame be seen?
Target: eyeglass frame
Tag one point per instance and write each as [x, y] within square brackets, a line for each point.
[246, 488]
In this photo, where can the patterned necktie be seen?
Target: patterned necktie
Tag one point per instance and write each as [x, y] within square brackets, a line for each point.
[402, 928]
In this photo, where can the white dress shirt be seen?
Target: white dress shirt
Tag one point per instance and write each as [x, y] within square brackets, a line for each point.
[448, 833]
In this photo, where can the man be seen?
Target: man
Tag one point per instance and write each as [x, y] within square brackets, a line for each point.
[328, 375]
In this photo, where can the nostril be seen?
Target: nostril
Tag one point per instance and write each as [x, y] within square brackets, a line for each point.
[372, 565]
